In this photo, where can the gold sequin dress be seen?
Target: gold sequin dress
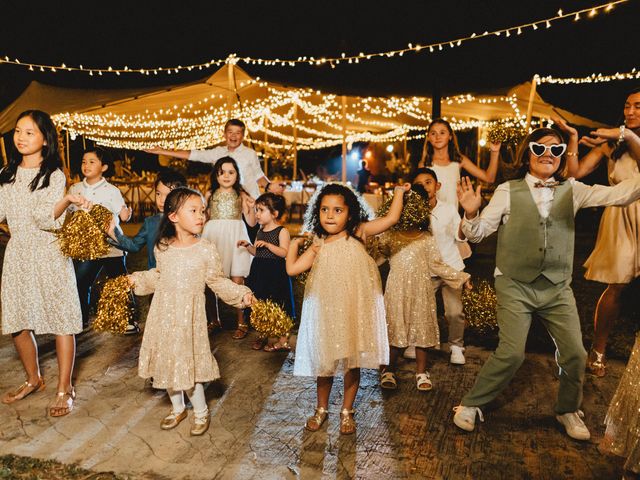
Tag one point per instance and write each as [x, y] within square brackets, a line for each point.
[616, 254]
[409, 298]
[175, 348]
[342, 323]
[224, 228]
[38, 284]
[622, 436]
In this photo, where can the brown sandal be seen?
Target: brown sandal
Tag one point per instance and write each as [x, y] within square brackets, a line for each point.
[596, 365]
[315, 421]
[23, 391]
[278, 347]
[259, 343]
[241, 332]
[347, 423]
[63, 403]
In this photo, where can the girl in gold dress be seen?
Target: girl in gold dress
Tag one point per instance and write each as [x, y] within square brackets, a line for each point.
[175, 348]
[343, 320]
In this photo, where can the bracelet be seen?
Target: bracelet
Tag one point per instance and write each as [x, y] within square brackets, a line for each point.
[621, 136]
[572, 154]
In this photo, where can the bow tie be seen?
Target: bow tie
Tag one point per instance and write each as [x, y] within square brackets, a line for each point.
[540, 184]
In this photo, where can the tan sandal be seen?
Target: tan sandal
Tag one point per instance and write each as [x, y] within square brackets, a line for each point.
[63, 403]
[315, 421]
[278, 347]
[347, 423]
[241, 332]
[596, 365]
[23, 391]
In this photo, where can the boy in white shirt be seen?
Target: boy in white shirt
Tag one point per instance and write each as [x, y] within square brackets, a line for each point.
[445, 222]
[95, 188]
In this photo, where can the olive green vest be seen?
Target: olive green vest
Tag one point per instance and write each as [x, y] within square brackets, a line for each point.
[530, 246]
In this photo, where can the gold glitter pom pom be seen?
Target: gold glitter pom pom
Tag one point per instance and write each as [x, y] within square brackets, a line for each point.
[479, 306]
[506, 134]
[302, 277]
[82, 235]
[415, 212]
[269, 319]
[115, 310]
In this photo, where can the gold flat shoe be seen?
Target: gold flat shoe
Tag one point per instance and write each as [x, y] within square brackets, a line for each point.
[172, 420]
[347, 423]
[315, 421]
[23, 391]
[200, 426]
[63, 404]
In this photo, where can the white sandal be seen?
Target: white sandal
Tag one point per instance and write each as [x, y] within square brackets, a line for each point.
[388, 380]
[423, 382]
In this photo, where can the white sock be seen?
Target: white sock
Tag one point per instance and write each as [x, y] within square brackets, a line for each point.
[177, 400]
[196, 396]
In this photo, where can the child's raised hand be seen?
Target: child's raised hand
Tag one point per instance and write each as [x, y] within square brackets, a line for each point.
[248, 300]
[79, 201]
[404, 187]
[564, 126]
[243, 243]
[468, 285]
[469, 198]
[125, 213]
[495, 146]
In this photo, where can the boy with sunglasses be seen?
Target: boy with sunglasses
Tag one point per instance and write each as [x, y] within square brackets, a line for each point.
[534, 215]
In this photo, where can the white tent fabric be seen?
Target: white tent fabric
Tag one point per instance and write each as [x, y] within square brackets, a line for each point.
[192, 115]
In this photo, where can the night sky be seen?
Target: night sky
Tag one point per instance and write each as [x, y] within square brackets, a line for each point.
[147, 34]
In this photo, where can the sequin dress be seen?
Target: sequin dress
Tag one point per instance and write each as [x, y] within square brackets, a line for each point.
[409, 298]
[224, 229]
[616, 254]
[175, 348]
[342, 322]
[38, 284]
[622, 436]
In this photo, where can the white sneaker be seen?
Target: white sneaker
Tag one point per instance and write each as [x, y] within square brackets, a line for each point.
[465, 417]
[457, 356]
[574, 425]
[410, 352]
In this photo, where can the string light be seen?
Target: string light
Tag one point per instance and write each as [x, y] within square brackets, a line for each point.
[307, 60]
[593, 78]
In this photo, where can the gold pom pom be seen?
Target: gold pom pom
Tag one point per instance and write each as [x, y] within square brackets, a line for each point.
[269, 319]
[302, 277]
[415, 212]
[479, 306]
[82, 235]
[506, 134]
[115, 310]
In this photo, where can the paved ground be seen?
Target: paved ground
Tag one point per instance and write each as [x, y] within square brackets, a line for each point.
[259, 408]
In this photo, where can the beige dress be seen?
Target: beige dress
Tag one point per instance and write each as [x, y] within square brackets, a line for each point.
[622, 436]
[38, 284]
[175, 348]
[616, 256]
[342, 325]
[409, 298]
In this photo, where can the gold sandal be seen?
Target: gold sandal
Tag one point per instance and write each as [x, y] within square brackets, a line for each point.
[315, 421]
[63, 403]
[23, 391]
[347, 423]
[596, 365]
[241, 331]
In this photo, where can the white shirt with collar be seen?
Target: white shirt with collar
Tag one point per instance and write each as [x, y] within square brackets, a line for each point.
[246, 158]
[105, 194]
[445, 221]
[584, 196]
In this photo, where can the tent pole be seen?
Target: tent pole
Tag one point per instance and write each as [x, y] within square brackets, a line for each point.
[265, 122]
[532, 94]
[344, 139]
[68, 159]
[231, 89]
[4, 152]
[295, 141]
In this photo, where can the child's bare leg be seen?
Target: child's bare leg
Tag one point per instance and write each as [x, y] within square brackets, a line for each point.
[27, 348]
[421, 360]
[323, 389]
[243, 328]
[351, 384]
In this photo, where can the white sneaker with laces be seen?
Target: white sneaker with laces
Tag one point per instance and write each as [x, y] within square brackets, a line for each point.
[457, 355]
[574, 425]
[465, 417]
[410, 352]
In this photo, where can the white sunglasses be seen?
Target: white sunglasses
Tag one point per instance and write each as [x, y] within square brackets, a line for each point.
[556, 149]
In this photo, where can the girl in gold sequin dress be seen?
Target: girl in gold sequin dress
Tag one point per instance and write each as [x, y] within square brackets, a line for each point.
[39, 294]
[175, 348]
[343, 320]
[227, 204]
[409, 297]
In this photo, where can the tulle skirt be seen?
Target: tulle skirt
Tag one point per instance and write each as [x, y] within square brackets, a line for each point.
[236, 261]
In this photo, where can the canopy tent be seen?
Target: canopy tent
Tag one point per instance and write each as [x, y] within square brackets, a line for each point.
[278, 117]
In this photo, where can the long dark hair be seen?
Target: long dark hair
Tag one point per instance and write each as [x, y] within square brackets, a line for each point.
[217, 168]
[619, 149]
[452, 148]
[357, 214]
[522, 154]
[174, 201]
[50, 156]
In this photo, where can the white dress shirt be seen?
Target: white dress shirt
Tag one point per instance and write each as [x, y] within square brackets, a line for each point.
[499, 208]
[445, 221]
[105, 194]
[246, 158]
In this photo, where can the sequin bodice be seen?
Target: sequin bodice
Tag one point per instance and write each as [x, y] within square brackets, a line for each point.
[225, 206]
